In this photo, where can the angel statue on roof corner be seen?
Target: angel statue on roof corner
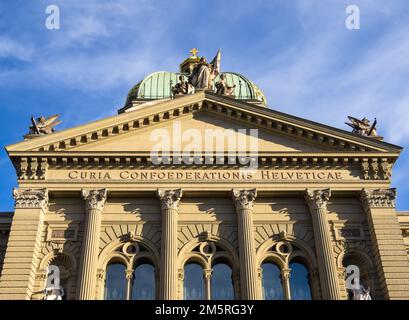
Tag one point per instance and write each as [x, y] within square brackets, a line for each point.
[204, 73]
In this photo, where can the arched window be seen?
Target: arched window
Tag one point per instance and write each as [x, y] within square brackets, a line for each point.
[115, 282]
[143, 286]
[222, 282]
[193, 282]
[272, 285]
[299, 282]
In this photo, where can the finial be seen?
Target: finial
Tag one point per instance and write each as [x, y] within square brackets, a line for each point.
[194, 52]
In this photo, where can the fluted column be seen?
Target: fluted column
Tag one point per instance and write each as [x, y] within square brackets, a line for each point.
[169, 200]
[317, 202]
[95, 201]
[243, 201]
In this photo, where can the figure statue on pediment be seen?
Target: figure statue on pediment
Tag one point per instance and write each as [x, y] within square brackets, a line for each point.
[204, 73]
[362, 127]
[182, 87]
[42, 125]
[222, 87]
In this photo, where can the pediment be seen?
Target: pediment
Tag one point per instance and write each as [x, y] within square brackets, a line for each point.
[201, 130]
[131, 132]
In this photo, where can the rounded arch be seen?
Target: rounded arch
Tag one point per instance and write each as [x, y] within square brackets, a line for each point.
[194, 257]
[301, 249]
[228, 253]
[115, 257]
[274, 258]
[68, 269]
[66, 259]
[109, 252]
[362, 257]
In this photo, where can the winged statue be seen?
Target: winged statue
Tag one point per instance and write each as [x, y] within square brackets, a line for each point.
[43, 125]
[362, 127]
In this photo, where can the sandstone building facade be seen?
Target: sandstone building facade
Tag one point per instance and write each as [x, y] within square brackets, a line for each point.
[92, 201]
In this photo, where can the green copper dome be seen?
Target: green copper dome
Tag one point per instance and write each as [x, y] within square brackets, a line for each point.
[158, 85]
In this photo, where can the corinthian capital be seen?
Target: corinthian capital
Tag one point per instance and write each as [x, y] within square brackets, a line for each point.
[30, 198]
[95, 199]
[317, 199]
[244, 199]
[169, 199]
[378, 198]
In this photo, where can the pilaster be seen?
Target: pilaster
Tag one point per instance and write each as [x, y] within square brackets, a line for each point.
[387, 240]
[24, 244]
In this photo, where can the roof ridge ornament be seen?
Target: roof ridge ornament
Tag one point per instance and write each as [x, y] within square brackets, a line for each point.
[42, 126]
[363, 127]
[194, 52]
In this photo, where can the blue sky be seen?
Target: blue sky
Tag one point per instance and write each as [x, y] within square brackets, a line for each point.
[298, 52]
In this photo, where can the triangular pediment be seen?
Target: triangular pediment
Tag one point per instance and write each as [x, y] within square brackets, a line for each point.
[131, 131]
[201, 130]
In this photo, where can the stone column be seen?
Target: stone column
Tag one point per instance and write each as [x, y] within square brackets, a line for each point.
[285, 278]
[317, 202]
[95, 201]
[243, 201]
[391, 259]
[207, 274]
[129, 275]
[24, 244]
[169, 200]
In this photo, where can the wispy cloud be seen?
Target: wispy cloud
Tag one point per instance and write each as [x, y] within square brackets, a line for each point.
[12, 49]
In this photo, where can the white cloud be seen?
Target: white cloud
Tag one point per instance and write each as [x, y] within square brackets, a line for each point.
[12, 49]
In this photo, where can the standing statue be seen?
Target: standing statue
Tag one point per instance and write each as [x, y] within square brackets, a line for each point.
[204, 73]
[362, 127]
[361, 293]
[53, 293]
[223, 88]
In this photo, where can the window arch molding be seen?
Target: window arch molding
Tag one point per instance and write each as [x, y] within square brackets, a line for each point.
[303, 249]
[110, 254]
[299, 250]
[276, 259]
[228, 252]
[144, 257]
[226, 255]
